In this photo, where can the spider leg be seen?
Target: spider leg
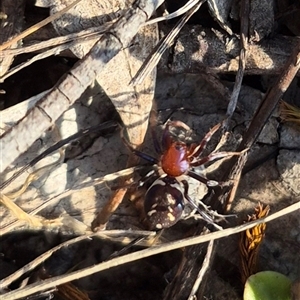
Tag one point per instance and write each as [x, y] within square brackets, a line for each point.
[138, 153]
[136, 184]
[147, 177]
[203, 213]
[208, 182]
[197, 151]
[214, 156]
[145, 156]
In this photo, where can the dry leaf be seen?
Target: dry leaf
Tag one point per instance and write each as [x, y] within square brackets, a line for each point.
[132, 103]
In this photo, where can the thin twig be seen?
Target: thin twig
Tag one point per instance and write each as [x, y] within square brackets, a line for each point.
[56, 146]
[109, 177]
[242, 59]
[190, 4]
[53, 51]
[205, 267]
[261, 116]
[78, 37]
[43, 257]
[58, 280]
[9, 27]
[150, 63]
[72, 85]
[37, 26]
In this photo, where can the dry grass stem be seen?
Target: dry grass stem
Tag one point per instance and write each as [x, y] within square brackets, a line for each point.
[150, 63]
[58, 280]
[127, 236]
[109, 177]
[37, 26]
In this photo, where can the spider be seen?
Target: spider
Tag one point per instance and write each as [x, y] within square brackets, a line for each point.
[164, 201]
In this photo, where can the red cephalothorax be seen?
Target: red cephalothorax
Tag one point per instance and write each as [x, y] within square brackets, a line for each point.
[175, 161]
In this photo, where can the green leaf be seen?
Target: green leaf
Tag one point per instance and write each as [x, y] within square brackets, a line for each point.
[267, 285]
